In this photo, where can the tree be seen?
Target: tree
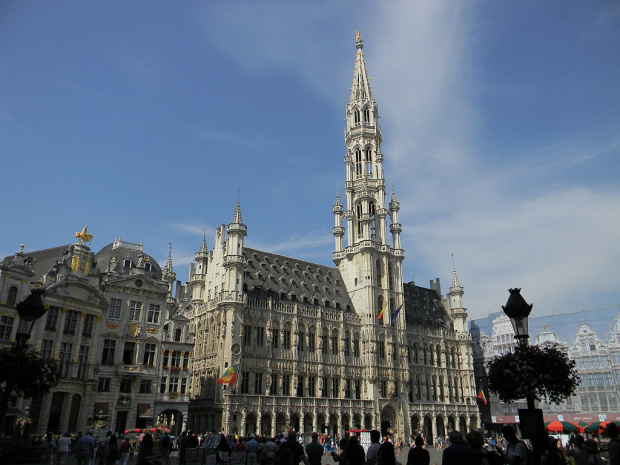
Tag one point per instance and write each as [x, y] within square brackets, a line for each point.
[24, 374]
[545, 373]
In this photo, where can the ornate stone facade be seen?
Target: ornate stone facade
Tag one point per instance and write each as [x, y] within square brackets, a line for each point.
[330, 348]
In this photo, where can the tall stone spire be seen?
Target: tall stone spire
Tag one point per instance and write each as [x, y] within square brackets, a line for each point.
[371, 268]
[361, 89]
[455, 295]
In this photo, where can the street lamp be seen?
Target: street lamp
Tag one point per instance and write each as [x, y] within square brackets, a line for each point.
[518, 310]
[30, 310]
[530, 419]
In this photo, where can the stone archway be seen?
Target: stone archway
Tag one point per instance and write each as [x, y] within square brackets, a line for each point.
[321, 423]
[296, 422]
[266, 425]
[388, 420]
[441, 426]
[74, 413]
[415, 425]
[171, 419]
[235, 424]
[428, 429]
[280, 422]
[463, 424]
[346, 423]
[452, 424]
[333, 425]
[251, 424]
[357, 421]
[308, 423]
[473, 423]
[368, 421]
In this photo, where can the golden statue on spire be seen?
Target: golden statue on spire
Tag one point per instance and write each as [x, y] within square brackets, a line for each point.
[83, 236]
[358, 38]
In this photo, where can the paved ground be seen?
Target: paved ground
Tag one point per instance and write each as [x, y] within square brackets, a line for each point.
[327, 459]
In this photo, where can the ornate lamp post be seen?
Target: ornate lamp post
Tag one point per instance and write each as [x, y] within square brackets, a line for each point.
[530, 419]
[30, 310]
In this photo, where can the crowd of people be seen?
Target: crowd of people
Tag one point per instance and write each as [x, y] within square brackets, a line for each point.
[288, 449]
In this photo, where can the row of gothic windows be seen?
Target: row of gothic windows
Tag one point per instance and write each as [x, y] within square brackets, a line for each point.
[306, 386]
[357, 114]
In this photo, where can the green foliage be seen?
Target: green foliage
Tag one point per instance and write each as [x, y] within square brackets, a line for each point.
[546, 373]
[26, 372]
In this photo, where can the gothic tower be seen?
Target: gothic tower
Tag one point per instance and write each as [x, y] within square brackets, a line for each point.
[370, 267]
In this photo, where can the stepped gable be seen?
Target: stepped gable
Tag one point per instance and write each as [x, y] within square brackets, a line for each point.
[424, 307]
[288, 278]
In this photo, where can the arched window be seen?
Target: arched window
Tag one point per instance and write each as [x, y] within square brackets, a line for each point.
[177, 334]
[368, 160]
[379, 274]
[366, 115]
[390, 277]
[12, 297]
[359, 220]
[356, 117]
[373, 224]
[358, 163]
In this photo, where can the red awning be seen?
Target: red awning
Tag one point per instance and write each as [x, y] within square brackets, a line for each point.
[144, 411]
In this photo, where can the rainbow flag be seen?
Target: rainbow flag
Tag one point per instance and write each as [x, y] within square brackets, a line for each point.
[230, 375]
[383, 310]
[482, 397]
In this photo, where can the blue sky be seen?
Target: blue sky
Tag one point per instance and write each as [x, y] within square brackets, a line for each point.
[501, 132]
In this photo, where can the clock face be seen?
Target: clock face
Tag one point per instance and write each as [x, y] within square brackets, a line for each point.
[236, 349]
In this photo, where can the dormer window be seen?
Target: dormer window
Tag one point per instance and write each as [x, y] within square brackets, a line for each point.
[127, 263]
[148, 266]
[12, 297]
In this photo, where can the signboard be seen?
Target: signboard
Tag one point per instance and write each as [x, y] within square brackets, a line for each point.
[531, 422]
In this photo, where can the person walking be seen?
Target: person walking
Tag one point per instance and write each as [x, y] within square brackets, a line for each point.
[372, 454]
[458, 452]
[613, 447]
[594, 456]
[386, 452]
[418, 455]
[252, 450]
[125, 450]
[516, 450]
[165, 447]
[85, 448]
[64, 446]
[314, 450]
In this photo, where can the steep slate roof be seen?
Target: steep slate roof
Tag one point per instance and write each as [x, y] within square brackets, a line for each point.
[43, 260]
[423, 307]
[308, 282]
[104, 256]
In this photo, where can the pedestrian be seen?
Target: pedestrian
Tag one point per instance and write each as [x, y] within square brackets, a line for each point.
[85, 448]
[165, 447]
[372, 454]
[354, 453]
[125, 450]
[48, 447]
[63, 448]
[594, 456]
[252, 450]
[269, 452]
[386, 452]
[291, 448]
[418, 455]
[103, 448]
[114, 452]
[516, 450]
[314, 450]
[613, 447]
[147, 448]
[458, 453]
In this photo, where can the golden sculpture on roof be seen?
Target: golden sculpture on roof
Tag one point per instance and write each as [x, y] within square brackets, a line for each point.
[358, 37]
[83, 236]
